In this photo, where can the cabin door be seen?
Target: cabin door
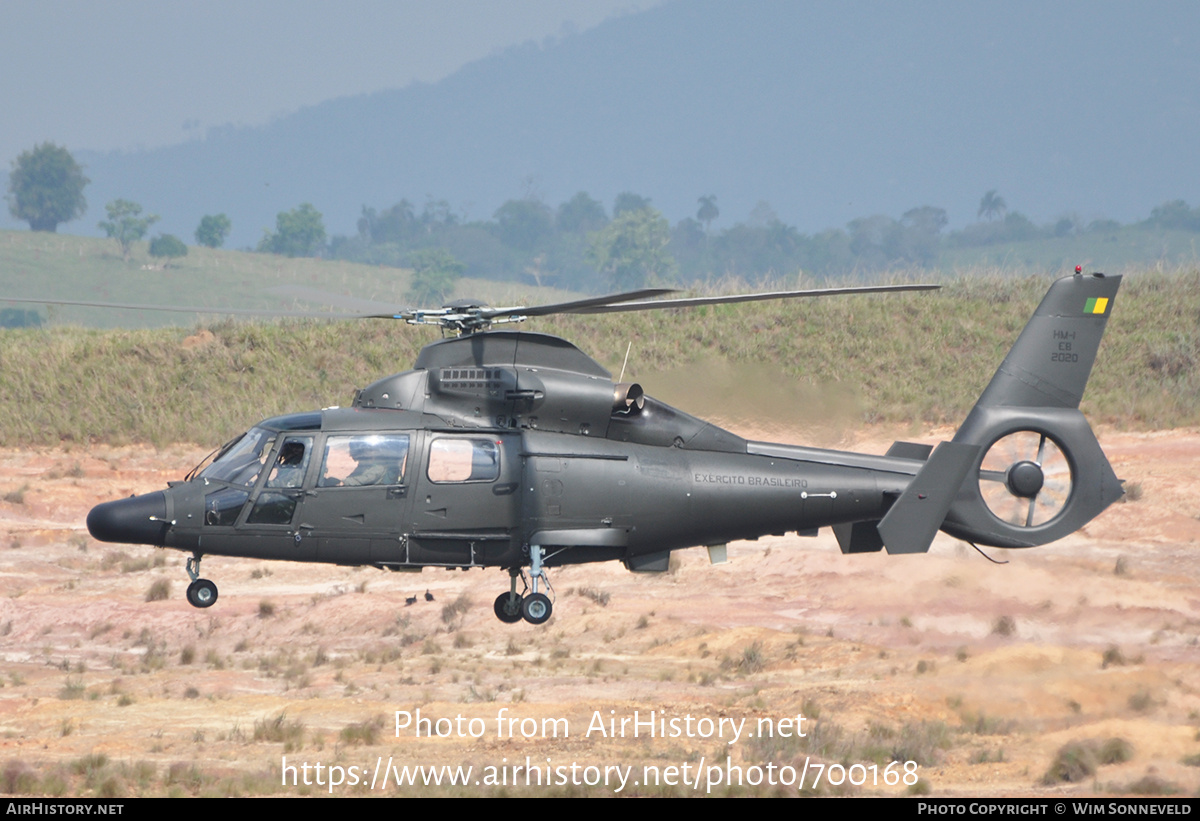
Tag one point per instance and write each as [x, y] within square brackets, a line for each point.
[466, 508]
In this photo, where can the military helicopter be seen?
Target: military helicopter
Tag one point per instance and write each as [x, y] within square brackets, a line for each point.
[518, 451]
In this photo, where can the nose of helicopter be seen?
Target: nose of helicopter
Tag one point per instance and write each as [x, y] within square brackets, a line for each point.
[136, 520]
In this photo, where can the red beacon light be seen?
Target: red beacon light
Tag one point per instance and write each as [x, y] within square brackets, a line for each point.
[1079, 269]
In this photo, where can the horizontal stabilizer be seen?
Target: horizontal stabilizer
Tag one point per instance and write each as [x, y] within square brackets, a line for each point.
[913, 521]
[858, 537]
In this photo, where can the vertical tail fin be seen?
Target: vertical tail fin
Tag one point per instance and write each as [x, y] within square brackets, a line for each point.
[1040, 474]
[1050, 363]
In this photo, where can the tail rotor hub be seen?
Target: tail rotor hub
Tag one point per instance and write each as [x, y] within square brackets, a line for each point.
[1025, 479]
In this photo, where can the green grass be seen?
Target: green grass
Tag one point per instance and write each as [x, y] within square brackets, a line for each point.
[1127, 246]
[60, 266]
[918, 359]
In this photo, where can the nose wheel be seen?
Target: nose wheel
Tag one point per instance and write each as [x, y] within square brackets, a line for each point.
[201, 592]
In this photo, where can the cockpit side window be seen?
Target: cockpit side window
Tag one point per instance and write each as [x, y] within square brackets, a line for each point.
[364, 460]
[291, 464]
[243, 463]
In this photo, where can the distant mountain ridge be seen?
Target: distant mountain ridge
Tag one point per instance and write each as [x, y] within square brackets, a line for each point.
[826, 111]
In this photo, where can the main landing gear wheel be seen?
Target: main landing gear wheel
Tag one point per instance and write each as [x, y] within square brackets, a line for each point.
[202, 593]
[508, 607]
[536, 608]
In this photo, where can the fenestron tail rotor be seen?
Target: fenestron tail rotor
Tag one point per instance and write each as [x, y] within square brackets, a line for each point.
[1025, 479]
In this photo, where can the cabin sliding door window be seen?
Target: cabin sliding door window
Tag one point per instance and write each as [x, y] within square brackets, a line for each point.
[455, 459]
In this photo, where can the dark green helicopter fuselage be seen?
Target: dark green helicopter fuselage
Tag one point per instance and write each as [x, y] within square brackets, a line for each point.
[498, 441]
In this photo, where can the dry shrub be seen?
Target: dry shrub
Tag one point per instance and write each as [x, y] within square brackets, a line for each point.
[159, 591]
[1004, 626]
[1078, 760]
[363, 732]
[1073, 763]
[1150, 784]
[17, 777]
[600, 597]
[456, 609]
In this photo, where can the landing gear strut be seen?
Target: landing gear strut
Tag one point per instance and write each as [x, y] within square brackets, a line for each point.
[201, 592]
[536, 608]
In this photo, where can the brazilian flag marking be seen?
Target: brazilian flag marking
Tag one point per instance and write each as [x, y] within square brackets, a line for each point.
[1096, 305]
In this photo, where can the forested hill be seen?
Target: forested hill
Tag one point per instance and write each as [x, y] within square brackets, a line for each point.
[826, 111]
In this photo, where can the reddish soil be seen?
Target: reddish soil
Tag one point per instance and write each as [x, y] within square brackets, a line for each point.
[981, 671]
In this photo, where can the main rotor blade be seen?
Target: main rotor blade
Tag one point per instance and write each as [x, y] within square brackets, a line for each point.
[691, 302]
[193, 309]
[577, 306]
[612, 303]
[381, 309]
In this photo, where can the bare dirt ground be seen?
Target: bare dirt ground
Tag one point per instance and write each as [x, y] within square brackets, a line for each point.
[980, 673]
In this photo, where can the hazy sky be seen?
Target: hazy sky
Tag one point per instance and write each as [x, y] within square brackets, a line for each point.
[120, 74]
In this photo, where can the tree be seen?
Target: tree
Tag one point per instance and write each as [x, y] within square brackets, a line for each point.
[298, 233]
[921, 234]
[19, 318]
[45, 187]
[708, 211]
[523, 224]
[1175, 214]
[125, 223]
[167, 246]
[629, 201]
[435, 273]
[992, 205]
[213, 230]
[762, 214]
[581, 214]
[396, 224]
[632, 249]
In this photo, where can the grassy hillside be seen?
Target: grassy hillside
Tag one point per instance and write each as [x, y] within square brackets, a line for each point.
[920, 358]
[60, 266]
[1126, 246]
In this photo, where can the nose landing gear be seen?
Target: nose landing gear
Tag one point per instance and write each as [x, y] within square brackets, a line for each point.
[201, 592]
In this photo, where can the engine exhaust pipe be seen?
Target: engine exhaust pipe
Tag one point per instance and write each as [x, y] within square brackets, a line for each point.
[628, 398]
